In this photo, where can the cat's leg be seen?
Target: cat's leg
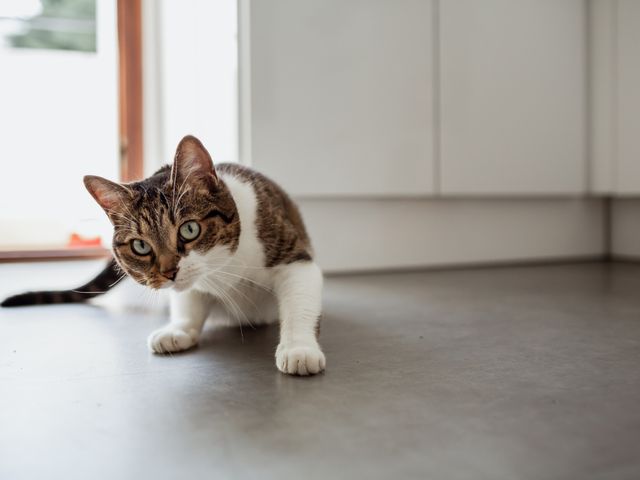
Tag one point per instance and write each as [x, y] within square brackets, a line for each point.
[298, 288]
[189, 310]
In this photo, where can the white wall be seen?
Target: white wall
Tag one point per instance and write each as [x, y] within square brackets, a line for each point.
[190, 78]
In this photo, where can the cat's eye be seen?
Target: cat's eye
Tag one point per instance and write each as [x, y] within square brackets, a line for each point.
[140, 247]
[189, 230]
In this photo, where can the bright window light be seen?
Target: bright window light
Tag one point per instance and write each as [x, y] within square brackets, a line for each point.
[58, 92]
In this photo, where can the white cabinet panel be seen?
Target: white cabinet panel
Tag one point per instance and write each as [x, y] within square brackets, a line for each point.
[340, 95]
[602, 97]
[628, 121]
[625, 228]
[513, 97]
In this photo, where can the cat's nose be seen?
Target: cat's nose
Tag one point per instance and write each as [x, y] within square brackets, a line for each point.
[170, 274]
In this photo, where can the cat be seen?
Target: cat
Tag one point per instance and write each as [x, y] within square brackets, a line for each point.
[226, 240]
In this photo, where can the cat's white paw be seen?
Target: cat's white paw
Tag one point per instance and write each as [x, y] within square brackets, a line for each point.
[172, 339]
[300, 359]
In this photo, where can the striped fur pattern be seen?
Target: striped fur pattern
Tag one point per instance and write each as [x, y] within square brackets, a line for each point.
[227, 241]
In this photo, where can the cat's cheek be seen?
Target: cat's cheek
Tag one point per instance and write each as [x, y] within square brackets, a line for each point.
[137, 277]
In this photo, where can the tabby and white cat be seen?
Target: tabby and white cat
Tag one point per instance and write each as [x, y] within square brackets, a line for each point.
[226, 240]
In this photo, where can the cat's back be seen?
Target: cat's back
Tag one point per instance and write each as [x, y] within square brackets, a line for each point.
[280, 227]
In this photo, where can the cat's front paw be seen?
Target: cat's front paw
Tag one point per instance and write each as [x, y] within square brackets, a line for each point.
[172, 339]
[300, 359]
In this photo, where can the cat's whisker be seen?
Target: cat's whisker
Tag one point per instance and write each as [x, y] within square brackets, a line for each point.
[236, 308]
[87, 292]
[228, 302]
[246, 297]
[118, 280]
[242, 278]
[178, 201]
[247, 279]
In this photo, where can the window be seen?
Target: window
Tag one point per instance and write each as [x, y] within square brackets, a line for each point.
[64, 116]
[59, 118]
[49, 24]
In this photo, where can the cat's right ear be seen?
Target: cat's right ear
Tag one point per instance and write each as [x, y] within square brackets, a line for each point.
[192, 162]
[110, 196]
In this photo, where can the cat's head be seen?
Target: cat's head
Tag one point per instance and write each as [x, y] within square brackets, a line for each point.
[172, 227]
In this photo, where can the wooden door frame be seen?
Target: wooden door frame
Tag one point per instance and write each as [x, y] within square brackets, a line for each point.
[130, 83]
[129, 13]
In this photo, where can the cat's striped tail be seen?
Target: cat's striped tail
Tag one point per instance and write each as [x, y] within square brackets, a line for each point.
[101, 283]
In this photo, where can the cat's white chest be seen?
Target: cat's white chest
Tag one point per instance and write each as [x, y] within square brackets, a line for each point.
[240, 279]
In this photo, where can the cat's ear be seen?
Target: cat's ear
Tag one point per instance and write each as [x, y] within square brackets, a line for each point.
[110, 196]
[192, 162]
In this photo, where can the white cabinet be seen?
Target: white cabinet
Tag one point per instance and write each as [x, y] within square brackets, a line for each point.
[340, 95]
[627, 170]
[400, 98]
[513, 94]
[615, 97]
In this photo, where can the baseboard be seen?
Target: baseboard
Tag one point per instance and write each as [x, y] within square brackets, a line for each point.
[626, 258]
[367, 235]
[539, 262]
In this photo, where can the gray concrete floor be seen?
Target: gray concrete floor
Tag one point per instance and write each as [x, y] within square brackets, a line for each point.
[504, 373]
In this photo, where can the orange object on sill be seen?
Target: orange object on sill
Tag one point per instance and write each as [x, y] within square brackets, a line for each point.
[77, 241]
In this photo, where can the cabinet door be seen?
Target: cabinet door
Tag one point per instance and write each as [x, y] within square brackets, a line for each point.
[512, 84]
[628, 104]
[340, 95]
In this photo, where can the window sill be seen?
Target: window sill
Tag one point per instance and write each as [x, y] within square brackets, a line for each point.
[53, 254]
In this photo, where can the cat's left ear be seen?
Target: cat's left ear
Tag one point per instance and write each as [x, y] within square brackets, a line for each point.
[193, 162]
[109, 195]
